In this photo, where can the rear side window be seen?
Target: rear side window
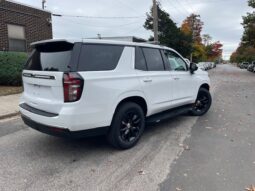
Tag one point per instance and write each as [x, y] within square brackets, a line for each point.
[50, 57]
[99, 57]
[140, 63]
[154, 59]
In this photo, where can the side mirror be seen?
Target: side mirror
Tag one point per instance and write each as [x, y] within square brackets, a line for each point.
[193, 67]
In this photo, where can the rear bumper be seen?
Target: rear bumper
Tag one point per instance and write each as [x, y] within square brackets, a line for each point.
[71, 117]
[61, 132]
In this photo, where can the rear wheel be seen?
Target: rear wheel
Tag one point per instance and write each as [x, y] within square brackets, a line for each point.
[127, 126]
[203, 103]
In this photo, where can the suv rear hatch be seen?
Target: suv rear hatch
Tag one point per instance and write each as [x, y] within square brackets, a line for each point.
[43, 75]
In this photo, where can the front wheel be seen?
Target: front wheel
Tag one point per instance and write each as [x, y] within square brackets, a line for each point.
[127, 126]
[203, 103]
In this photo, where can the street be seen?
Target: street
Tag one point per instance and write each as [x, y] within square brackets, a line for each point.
[212, 152]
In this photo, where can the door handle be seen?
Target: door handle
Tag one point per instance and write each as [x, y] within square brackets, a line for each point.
[149, 80]
[176, 78]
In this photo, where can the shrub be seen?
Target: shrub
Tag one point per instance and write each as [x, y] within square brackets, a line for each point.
[11, 64]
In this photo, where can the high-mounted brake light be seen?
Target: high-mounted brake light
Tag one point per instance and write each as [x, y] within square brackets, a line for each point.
[73, 86]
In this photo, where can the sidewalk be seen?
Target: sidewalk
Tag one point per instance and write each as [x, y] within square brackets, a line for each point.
[9, 105]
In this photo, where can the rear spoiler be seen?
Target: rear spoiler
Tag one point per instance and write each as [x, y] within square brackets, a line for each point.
[52, 41]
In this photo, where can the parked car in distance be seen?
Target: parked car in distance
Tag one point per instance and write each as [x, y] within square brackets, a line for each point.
[201, 66]
[76, 88]
[250, 67]
[206, 65]
[253, 69]
[244, 65]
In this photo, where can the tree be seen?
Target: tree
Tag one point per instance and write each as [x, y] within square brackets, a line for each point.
[203, 49]
[246, 49]
[251, 3]
[243, 54]
[214, 51]
[206, 39]
[169, 34]
[193, 25]
[198, 52]
[248, 38]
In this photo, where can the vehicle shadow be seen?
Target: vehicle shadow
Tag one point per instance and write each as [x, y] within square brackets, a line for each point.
[91, 147]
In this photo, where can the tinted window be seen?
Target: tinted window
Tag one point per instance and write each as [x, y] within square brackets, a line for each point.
[99, 57]
[51, 57]
[140, 63]
[153, 59]
[175, 61]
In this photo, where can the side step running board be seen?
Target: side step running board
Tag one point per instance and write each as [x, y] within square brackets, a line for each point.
[168, 114]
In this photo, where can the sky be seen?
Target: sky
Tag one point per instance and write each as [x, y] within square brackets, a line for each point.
[222, 18]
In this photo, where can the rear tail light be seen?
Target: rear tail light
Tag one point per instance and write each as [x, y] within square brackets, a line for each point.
[73, 85]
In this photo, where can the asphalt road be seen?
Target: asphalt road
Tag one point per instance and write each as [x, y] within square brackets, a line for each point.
[213, 152]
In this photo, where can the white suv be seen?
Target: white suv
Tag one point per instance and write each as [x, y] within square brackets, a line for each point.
[76, 89]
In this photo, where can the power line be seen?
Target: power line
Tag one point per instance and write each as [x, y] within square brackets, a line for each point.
[127, 5]
[176, 8]
[210, 1]
[184, 8]
[96, 26]
[189, 3]
[171, 15]
[96, 17]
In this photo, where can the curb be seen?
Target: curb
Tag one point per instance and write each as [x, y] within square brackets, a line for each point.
[9, 115]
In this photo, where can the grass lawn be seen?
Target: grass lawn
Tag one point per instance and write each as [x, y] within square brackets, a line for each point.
[8, 90]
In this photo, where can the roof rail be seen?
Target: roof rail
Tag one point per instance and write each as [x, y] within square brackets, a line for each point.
[152, 42]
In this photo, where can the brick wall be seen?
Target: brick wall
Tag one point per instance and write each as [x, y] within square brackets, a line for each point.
[35, 21]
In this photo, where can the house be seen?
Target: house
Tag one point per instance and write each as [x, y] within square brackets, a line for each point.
[21, 25]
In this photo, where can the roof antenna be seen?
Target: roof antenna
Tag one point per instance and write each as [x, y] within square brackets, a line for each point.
[43, 4]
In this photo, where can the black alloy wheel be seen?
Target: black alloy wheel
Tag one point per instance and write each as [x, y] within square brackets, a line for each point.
[130, 126]
[127, 126]
[203, 103]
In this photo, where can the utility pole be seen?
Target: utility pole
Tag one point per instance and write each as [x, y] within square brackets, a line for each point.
[155, 20]
[193, 36]
[43, 4]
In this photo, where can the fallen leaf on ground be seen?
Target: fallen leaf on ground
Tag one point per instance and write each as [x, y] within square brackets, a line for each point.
[251, 188]
[141, 172]
[186, 147]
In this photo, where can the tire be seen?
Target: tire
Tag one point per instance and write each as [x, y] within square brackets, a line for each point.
[202, 104]
[127, 126]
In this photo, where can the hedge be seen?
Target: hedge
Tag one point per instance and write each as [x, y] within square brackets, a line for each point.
[11, 64]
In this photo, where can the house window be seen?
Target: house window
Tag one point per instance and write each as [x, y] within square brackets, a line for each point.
[16, 37]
